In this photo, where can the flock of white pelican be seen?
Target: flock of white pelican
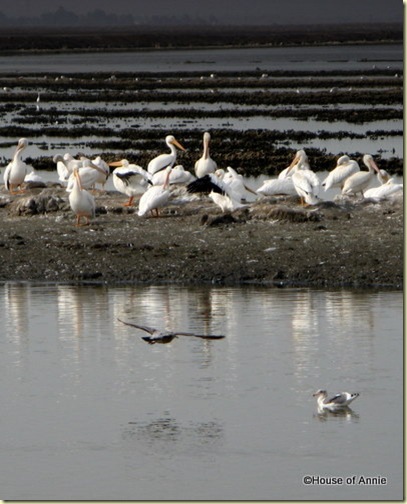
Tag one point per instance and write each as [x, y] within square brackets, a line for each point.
[226, 188]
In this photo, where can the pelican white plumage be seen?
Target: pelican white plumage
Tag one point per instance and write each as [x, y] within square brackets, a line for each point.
[62, 169]
[81, 201]
[89, 174]
[155, 197]
[345, 167]
[284, 184]
[32, 179]
[17, 169]
[103, 175]
[237, 184]
[178, 175]
[387, 189]
[299, 162]
[335, 403]
[163, 160]
[305, 181]
[219, 191]
[130, 179]
[205, 163]
[271, 187]
[360, 181]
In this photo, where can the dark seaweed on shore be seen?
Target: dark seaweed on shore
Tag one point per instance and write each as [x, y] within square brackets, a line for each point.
[70, 108]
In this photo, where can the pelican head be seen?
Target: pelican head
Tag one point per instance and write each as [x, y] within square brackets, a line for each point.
[369, 162]
[22, 143]
[343, 160]
[87, 163]
[77, 178]
[119, 164]
[170, 140]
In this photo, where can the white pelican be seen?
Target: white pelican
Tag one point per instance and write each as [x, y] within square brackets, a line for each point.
[130, 179]
[163, 160]
[305, 181]
[337, 402]
[89, 174]
[62, 168]
[66, 165]
[284, 184]
[104, 174]
[34, 180]
[277, 186]
[345, 167]
[300, 161]
[359, 182]
[237, 184]
[158, 336]
[385, 190]
[205, 164]
[16, 170]
[219, 192]
[81, 201]
[155, 197]
[178, 175]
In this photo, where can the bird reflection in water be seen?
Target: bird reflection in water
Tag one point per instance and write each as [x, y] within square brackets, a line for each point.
[346, 414]
[166, 429]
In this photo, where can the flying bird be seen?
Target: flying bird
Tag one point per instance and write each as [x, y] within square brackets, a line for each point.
[158, 336]
[337, 402]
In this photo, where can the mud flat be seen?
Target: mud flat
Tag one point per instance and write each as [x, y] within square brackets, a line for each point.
[271, 242]
[128, 115]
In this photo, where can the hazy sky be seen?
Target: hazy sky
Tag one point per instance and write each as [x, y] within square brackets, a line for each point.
[227, 11]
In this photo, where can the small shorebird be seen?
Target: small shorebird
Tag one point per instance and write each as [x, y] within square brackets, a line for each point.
[158, 336]
[338, 401]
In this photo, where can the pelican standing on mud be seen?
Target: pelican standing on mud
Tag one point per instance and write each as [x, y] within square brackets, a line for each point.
[155, 197]
[130, 179]
[81, 201]
[163, 160]
[16, 170]
[205, 164]
[360, 181]
[305, 181]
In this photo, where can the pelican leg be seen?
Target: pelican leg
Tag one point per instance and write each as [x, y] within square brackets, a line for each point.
[13, 189]
[130, 202]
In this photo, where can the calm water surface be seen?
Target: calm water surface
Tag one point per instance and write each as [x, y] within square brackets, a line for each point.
[352, 57]
[90, 411]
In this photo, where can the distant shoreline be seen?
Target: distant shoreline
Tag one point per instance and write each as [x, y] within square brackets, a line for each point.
[15, 40]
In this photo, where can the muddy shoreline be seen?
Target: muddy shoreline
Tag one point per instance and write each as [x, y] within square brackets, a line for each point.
[272, 242]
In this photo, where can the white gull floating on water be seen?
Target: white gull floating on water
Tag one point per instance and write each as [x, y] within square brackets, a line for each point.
[337, 402]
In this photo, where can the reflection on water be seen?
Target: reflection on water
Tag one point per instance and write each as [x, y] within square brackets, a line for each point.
[346, 414]
[237, 413]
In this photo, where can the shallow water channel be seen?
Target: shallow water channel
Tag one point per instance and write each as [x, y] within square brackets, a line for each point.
[92, 412]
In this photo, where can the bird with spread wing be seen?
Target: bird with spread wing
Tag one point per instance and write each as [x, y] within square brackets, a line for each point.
[158, 336]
